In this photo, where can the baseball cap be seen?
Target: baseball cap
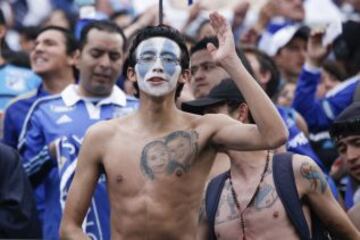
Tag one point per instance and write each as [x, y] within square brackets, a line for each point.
[347, 123]
[225, 91]
[283, 36]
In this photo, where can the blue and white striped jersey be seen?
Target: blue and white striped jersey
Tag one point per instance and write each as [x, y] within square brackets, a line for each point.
[97, 220]
[53, 117]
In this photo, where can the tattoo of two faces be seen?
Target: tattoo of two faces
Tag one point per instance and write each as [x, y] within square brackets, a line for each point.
[172, 154]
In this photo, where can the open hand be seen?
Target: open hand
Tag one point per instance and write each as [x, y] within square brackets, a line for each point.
[316, 52]
[225, 36]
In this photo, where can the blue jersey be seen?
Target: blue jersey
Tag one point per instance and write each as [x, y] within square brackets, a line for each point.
[55, 116]
[297, 142]
[97, 220]
[319, 113]
[15, 81]
[15, 115]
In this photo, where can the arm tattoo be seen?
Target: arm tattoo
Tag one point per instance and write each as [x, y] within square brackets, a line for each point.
[175, 153]
[314, 176]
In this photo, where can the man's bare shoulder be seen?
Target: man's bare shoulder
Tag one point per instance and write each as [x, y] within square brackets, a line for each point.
[106, 129]
[309, 176]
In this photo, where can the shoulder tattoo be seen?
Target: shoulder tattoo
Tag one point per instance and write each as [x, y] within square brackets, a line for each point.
[314, 176]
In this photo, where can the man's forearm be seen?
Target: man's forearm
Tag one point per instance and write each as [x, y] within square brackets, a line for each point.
[262, 109]
[72, 233]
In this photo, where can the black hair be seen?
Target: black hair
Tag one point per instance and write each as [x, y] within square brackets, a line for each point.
[335, 69]
[347, 123]
[267, 64]
[29, 32]
[2, 18]
[101, 25]
[120, 13]
[70, 41]
[160, 31]
[346, 47]
[202, 45]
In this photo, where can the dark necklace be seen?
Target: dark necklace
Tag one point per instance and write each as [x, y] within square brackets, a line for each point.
[237, 203]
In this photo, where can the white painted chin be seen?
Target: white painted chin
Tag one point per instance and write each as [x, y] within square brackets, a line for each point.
[156, 89]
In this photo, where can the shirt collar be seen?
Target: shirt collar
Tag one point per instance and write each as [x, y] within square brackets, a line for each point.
[70, 96]
[41, 91]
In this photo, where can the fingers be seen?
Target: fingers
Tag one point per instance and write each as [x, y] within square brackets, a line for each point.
[217, 20]
[317, 32]
[210, 47]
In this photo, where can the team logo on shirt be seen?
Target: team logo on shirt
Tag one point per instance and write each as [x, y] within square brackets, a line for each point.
[15, 84]
[60, 109]
[64, 119]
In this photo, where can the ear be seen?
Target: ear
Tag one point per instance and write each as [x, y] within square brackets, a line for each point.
[74, 58]
[131, 75]
[264, 77]
[243, 113]
[77, 59]
[185, 76]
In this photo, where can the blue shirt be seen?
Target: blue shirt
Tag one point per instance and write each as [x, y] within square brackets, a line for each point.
[15, 81]
[97, 219]
[15, 115]
[297, 141]
[55, 116]
[319, 113]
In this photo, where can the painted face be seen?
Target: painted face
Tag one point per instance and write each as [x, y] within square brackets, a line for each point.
[157, 68]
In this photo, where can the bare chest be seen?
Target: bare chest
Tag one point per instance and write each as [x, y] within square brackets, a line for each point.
[256, 219]
[131, 161]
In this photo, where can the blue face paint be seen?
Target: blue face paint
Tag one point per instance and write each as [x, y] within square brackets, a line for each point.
[145, 67]
[169, 48]
[157, 58]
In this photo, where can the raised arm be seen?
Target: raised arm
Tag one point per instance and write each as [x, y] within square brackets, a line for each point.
[270, 131]
[313, 188]
[82, 186]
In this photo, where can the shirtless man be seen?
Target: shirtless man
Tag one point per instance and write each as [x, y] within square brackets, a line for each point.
[165, 204]
[249, 206]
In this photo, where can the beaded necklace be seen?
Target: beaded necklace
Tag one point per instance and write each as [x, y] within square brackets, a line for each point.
[237, 203]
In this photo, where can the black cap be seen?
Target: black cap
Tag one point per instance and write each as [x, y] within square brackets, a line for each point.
[225, 91]
[347, 123]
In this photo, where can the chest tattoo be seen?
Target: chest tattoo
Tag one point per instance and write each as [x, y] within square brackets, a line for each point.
[174, 153]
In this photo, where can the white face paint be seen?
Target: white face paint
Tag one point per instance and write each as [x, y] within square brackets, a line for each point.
[158, 67]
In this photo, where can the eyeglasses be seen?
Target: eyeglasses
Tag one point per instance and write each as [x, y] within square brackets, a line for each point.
[165, 59]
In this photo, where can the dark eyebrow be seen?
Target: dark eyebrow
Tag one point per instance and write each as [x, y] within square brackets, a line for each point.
[147, 52]
[167, 52]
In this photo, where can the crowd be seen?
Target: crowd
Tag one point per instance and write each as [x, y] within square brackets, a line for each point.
[118, 123]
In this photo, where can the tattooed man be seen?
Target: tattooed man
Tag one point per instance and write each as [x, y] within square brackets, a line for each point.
[156, 194]
[249, 206]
